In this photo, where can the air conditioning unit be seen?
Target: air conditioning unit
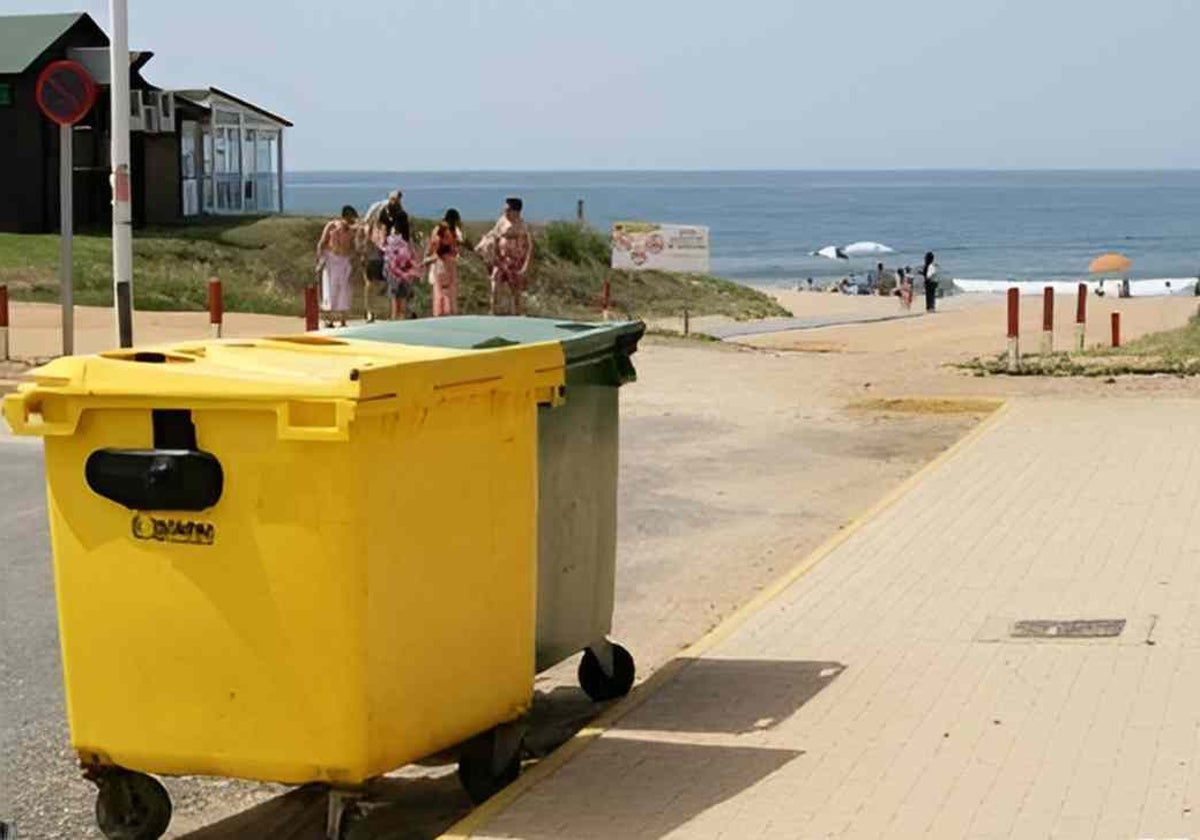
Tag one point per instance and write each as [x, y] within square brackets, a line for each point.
[166, 111]
[137, 121]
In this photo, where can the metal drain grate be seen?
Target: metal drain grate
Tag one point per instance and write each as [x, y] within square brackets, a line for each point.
[1093, 628]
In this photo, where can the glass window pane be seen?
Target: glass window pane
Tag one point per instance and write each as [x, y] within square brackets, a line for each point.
[187, 149]
[248, 152]
[265, 149]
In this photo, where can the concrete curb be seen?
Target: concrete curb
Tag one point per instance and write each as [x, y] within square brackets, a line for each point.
[488, 811]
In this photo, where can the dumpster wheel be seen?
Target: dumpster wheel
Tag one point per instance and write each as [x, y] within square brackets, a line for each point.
[491, 762]
[131, 806]
[601, 686]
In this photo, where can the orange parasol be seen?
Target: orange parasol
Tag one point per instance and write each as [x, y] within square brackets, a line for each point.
[1110, 264]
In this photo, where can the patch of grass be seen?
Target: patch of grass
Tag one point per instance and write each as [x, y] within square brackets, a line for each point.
[1061, 364]
[1178, 345]
[926, 405]
[1175, 352]
[575, 243]
[264, 264]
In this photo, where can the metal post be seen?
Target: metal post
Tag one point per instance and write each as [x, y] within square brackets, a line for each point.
[4, 323]
[687, 326]
[66, 231]
[122, 216]
[1047, 320]
[312, 313]
[1081, 317]
[216, 306]
[1116, 329]
[1014, 329]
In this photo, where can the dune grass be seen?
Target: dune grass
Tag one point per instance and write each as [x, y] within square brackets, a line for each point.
[265, 262]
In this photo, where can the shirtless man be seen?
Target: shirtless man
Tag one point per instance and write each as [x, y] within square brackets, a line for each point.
[508, 249]
[335, 261]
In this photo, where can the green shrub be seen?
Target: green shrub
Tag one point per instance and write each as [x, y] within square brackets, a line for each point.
[575, 243]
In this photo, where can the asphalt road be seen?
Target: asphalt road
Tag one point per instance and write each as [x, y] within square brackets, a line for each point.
[42, 792]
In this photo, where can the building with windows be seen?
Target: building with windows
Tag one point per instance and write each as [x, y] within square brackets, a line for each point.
[231, 156]
[192, 152]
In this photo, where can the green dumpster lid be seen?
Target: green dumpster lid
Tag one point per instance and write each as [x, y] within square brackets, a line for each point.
[609, 343]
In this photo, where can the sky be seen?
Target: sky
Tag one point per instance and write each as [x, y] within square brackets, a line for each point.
[694, 84]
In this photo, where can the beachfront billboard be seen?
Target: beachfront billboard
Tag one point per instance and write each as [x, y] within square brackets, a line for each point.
[644, 245]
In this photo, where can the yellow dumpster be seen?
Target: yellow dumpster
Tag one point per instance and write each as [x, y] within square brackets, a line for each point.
[292, 560]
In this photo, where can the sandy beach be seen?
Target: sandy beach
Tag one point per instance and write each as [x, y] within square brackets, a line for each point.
[738, 458]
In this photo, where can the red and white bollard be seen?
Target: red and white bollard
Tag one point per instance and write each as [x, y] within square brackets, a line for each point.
[1081, 317]
[4, 323]
[216, 306]
[1047, 320]
[312, 311]
[1014, 329]
[1116, 329]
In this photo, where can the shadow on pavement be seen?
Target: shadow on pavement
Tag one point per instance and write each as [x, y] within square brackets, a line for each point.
[658, 786]
[734, 696]
[631, 788]
[629, 784]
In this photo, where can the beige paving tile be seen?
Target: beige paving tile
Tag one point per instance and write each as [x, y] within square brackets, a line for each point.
[920, 727]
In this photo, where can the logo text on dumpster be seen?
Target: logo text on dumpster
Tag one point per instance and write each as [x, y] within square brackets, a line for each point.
[186, 531]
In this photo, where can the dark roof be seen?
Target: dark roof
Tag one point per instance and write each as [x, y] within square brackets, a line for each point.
[25, 37]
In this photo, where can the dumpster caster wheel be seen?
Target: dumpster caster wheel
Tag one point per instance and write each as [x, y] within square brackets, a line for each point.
[601, 686]
[132, 806]
[491, 762]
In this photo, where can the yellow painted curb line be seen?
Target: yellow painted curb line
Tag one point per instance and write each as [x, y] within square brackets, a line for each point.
[485, 813]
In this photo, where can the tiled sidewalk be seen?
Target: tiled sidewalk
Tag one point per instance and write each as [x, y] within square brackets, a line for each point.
[883, 694]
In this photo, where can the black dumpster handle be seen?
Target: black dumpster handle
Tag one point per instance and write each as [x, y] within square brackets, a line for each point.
[173, 475]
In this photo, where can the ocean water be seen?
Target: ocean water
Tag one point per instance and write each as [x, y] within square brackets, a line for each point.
[982, 224]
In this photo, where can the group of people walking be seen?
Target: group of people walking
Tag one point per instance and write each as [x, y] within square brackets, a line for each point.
[395, 258]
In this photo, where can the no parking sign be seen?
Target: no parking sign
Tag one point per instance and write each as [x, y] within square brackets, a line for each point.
[65, 92]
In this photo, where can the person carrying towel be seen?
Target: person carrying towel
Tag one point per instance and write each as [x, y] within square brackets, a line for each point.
[335, 261]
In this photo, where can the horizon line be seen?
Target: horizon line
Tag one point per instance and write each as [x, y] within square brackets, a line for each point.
[864, 170]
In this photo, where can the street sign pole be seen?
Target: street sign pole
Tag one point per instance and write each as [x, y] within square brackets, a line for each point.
[122, 216]
[66, 281]
[65, 93]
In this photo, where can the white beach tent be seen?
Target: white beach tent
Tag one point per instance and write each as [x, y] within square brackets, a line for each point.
[867, 249]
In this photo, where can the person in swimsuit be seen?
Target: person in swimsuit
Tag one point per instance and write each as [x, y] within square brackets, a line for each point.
[441, 255]
[904, 288]
[508, 249]
[371, 235]
[335, 261]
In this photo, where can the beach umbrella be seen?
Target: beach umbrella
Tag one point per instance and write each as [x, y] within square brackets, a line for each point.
[866, 249]
[830, 252]
[1110, 264]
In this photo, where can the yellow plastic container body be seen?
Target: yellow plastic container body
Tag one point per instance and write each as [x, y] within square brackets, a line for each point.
[361, 595]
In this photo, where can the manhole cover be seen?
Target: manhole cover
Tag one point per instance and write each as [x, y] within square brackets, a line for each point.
[1076, 629]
